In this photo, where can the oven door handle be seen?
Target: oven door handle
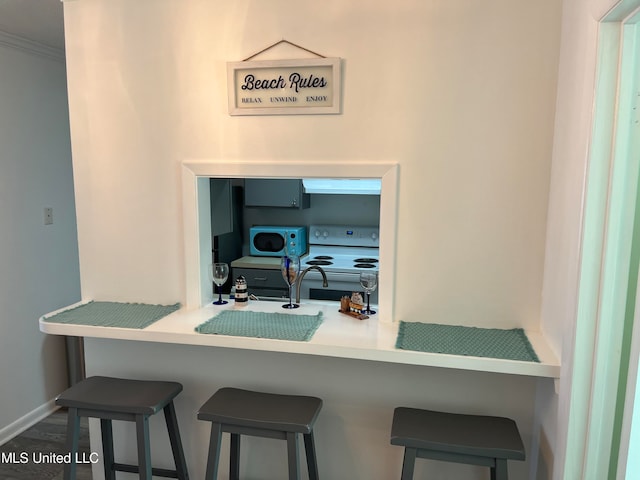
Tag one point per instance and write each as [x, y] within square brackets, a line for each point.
[335, 276]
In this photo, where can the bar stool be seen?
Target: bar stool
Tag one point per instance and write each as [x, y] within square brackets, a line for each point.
[451, 437]
[243, 412]
[110, 399]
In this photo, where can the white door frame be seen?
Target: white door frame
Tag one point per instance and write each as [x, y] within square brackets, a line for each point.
[628, 461]
[610, 209]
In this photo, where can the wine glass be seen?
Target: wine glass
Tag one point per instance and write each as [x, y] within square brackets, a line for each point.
[369, 281]
[218, 273]
[290, 267]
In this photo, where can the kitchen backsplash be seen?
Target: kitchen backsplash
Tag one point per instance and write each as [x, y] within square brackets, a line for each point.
[356, 210]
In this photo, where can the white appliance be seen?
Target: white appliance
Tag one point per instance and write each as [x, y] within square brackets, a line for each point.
[342, 252]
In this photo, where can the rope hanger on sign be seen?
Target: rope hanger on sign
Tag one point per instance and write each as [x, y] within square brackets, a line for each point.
[278, 43]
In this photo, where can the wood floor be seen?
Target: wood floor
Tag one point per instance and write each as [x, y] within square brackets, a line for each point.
[39, 443]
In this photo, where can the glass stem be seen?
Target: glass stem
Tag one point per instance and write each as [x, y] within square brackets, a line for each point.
[368, 299]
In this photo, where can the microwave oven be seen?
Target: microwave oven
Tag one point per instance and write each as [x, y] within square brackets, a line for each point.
[274, 241]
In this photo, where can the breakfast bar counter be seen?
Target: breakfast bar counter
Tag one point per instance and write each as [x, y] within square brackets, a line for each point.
[352, 365]
[338, 335]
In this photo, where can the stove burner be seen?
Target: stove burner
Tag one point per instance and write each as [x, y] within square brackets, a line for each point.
[364, 265]
[323, 257]
[366, 260]
[319, 262]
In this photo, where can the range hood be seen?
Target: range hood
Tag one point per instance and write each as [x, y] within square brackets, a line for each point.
[343, 186]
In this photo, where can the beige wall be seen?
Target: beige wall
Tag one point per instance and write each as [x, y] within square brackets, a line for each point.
[461, 95]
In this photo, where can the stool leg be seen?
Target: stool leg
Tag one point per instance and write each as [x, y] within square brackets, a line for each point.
[408, 463]
[310, 449]
[234, 465]
[292, 451]
[107, 449]
[176, 443]
[73, 434]
[214, 452]
[499, 472]
[144, 452]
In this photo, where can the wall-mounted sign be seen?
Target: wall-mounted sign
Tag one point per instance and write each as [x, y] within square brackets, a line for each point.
[284, 87]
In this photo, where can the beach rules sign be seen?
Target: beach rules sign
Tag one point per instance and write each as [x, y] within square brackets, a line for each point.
[284, 87]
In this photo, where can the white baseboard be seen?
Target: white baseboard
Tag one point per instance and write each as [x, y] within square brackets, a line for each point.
[20, 425]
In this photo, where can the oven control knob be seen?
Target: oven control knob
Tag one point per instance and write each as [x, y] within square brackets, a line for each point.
[374, 236]
[325, 234]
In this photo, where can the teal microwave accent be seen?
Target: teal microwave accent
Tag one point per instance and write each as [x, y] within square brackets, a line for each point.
[276, 241]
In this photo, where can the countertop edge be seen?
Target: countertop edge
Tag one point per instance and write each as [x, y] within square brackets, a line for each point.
[178, 328]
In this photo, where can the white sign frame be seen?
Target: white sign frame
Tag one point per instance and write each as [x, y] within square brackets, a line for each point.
[285, 87]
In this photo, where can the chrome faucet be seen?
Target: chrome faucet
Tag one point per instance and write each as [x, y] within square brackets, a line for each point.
[325, 282]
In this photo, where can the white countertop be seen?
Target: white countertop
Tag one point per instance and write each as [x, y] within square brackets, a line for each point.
[339, 336]
[269, 263]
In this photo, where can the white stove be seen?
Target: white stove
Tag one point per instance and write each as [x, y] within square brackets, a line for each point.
[341, 259]
[342, 252]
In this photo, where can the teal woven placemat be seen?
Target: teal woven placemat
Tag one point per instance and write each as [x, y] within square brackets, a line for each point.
[278, 326]
[470, 341]
[114, 314]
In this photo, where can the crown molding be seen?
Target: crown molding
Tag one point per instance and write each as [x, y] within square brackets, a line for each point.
[36, 48]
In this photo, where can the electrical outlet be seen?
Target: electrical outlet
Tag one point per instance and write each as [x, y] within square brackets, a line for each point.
[48, 216]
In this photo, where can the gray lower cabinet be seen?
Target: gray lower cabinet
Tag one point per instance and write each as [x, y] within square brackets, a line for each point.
[275, 192]
[263, 282]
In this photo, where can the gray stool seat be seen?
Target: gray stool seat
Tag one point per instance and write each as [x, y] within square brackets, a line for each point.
[452, 437]
[244, 412]
[110, 399]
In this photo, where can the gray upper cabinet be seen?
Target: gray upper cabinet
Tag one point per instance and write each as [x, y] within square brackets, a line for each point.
[221, 206]
[275, 192]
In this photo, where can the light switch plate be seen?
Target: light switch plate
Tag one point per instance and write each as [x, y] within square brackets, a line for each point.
[48, 216]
